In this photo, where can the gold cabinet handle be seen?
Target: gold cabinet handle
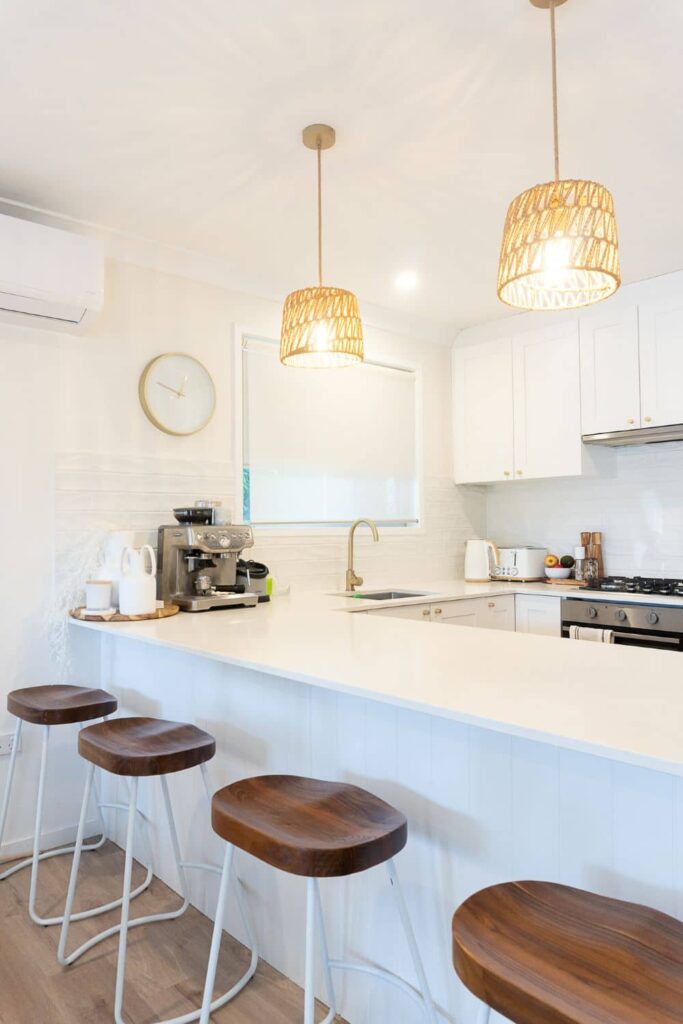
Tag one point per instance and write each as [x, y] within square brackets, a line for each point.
[519, 472]
[506, 472]
[437, 611]
[492, 604]
[425, 611]
[630, 422]
[648, 419]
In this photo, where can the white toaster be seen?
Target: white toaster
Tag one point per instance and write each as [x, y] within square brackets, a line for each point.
[520, 564]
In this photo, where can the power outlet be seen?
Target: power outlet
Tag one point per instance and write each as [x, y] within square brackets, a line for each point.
[7, 744]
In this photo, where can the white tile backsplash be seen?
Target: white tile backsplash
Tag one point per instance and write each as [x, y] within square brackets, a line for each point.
[639, 510]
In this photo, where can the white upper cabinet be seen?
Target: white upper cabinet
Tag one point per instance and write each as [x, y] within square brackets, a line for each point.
[610, 371]
[661, 362]
[483, 417]
[547, 407]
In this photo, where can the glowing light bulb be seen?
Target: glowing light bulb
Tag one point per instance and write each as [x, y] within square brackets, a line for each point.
[556, 254]
[320, 336]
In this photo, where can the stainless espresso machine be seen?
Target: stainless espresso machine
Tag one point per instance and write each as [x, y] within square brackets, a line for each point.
[197, 566]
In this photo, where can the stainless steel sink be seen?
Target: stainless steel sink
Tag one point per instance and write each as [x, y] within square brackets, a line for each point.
[390, 595]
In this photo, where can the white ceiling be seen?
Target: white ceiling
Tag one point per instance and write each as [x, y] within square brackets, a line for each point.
[181, 122]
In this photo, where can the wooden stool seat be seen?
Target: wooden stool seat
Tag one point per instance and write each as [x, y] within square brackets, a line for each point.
[145, 746]
[541, 953]
[308, 827]
[60, 705]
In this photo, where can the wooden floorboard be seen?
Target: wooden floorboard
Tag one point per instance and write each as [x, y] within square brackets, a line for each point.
[165, 967]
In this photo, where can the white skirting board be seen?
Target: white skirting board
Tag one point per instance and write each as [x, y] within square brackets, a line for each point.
[50, 840]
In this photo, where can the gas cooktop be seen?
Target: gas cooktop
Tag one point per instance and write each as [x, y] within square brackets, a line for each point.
[638, 585]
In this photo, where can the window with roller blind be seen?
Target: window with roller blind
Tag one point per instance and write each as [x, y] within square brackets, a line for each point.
[323, 447]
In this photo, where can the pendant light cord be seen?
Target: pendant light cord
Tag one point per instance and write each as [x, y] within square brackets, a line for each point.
[320, 217]
[556, 131]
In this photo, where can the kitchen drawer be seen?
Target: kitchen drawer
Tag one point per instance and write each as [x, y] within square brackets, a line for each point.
[406, 611]
[487, 612]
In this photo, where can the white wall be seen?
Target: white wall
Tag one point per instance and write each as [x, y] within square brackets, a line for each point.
[78, 457]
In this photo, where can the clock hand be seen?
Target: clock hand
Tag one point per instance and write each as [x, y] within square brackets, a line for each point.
[179, 394]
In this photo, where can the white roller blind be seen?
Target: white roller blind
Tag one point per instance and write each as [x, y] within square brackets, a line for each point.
[326, 446]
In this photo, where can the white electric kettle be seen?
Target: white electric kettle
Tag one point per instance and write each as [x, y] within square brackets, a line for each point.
[480, 558]
[137, 587]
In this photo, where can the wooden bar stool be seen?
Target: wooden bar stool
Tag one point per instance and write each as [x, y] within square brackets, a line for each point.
[541, 953]
[49, 706]
[136, 748]
[318, 830]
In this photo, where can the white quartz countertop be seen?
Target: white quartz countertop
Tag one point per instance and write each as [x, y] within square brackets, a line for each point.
[625, 703]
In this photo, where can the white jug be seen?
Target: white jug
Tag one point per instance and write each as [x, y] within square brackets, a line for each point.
[137, 587]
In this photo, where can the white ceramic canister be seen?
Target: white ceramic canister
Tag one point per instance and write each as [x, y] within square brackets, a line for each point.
[137, 586]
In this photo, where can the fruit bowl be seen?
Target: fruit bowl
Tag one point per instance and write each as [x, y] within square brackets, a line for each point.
[558, 573]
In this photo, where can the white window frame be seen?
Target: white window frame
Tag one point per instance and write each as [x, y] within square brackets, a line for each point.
[241, 336]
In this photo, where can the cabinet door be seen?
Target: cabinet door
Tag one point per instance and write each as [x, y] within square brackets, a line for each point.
[610, 371]
[547, 402]
[661, 362]
[539, 615]
[482, 412]
[498, 612]
[406, 611]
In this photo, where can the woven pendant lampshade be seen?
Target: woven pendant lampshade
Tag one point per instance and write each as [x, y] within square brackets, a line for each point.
[560, 248]
[321, 326]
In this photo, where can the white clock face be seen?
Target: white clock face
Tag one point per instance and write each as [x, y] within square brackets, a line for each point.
[177, 393]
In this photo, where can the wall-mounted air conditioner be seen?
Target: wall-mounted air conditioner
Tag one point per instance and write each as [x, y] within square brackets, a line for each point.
[48, 276]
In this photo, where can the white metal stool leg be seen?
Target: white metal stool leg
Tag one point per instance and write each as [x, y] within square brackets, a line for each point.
[329, 985]
[37, 857]
[126, 924]
[430, 1012]
[29, 861]
[483, 1013]
[207, 1007]
[421, 996]
[309, 973]
[68, 916]
[125, 906]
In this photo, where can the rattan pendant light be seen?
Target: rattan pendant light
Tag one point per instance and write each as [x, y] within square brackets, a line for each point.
[321, 326]
[560, 247]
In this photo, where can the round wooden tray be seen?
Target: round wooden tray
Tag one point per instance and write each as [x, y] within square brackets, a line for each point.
[160, 613]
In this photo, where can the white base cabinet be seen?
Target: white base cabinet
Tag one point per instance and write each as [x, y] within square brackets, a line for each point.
[525, 613]
[541, 615]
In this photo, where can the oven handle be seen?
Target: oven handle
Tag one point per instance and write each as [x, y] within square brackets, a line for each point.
[673, 641]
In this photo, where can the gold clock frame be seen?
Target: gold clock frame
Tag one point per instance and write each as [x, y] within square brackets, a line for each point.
[143, 397]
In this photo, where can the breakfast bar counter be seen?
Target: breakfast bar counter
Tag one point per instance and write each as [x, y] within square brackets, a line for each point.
[623, 703]
[513, 756]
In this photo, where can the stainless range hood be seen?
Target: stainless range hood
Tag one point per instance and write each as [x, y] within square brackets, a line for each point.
[646, 435]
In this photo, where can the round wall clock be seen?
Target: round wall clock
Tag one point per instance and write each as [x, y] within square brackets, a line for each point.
[177, 394]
